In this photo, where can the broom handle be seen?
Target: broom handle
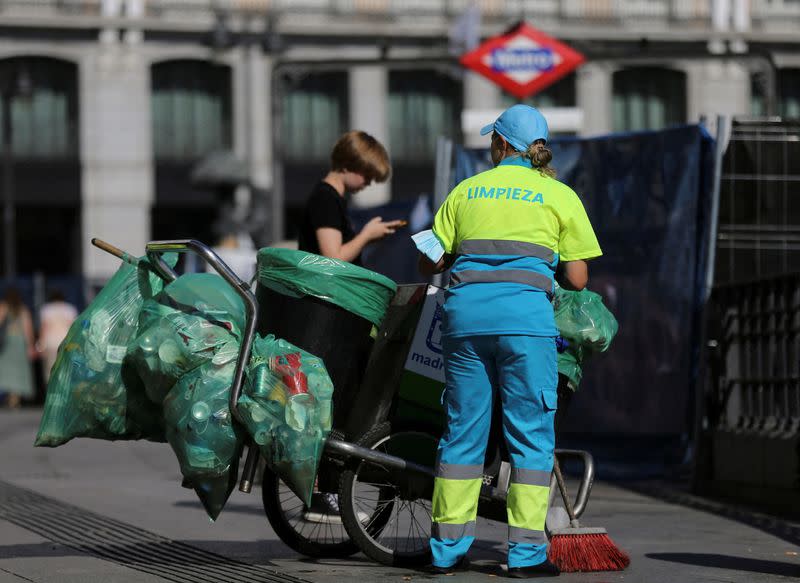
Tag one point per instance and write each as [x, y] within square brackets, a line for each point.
[563, 488]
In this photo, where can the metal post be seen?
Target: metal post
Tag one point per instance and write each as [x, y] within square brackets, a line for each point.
[723, 135]
[9, 233]
[699, 447]
[278, 195]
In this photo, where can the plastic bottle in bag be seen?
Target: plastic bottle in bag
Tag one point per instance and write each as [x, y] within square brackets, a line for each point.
[321, 387]
[299, 409]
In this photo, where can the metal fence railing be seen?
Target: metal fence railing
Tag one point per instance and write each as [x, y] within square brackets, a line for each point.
[758, 388]
[750, 446]
[759, 214]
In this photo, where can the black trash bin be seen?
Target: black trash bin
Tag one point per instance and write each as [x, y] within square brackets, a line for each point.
[328, 308]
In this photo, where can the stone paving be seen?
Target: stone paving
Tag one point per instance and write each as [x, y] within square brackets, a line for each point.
[155, 526]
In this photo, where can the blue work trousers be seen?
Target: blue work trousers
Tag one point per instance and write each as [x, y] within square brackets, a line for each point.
[523, 370]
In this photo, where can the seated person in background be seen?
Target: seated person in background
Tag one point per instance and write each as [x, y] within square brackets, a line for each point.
[357, 160]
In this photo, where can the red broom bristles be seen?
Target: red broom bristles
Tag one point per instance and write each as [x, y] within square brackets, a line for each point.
[574, 553]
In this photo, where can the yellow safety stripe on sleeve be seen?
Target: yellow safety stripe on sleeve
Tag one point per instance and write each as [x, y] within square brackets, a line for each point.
[527, 506]
[455, 501]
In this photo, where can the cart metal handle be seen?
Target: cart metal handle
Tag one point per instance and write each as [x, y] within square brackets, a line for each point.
[349, 450]
[585, 486]
[156, 248]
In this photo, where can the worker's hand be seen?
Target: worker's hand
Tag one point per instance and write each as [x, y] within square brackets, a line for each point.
[378, 229]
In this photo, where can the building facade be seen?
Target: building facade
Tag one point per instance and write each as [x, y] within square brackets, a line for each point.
[109, 104]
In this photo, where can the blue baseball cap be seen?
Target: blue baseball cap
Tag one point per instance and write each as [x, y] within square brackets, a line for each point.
[520, 125]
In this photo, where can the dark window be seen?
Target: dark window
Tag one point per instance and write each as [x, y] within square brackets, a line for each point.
[559, 94]
[191, 106]
[789, 93]
[648, 98]
[43, 105]
[423, 105]
[39, 95]
[315, 112]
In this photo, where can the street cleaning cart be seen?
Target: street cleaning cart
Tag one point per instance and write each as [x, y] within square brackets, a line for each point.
[376, 468]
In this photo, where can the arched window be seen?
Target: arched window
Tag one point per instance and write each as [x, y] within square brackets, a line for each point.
[315, 112]
[41, 96]
[191, 106]
[648, 98]
[423, 105]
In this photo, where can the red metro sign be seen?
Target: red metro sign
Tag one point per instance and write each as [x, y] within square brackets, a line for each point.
[523, 61]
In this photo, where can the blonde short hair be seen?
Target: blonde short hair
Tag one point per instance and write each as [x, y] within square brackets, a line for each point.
[359, 152]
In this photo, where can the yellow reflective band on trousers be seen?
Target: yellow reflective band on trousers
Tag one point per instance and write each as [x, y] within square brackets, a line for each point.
[527, 506]
[455, 501]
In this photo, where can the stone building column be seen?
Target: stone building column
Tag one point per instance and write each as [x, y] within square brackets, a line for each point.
[480, 94]
[594, 90]
[116, 154]
[369, 111]
[716, 87]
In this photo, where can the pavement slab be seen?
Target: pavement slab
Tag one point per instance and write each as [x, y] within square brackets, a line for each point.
[670, 535]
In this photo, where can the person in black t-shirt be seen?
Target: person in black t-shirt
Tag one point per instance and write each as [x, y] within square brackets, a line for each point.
[357, 160]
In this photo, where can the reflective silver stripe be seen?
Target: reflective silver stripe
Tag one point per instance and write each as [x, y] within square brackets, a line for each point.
[530, 477]
[459, 471]
[448, 530]
[531, 278]
[523, 535]
[499, 247]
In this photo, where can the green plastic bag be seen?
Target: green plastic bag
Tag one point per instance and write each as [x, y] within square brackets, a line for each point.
[202, 433]
[86, 395]
[286, 406]
[184, 358]
[297, 273]
[171, 343]
[583, 319]
[570, 364]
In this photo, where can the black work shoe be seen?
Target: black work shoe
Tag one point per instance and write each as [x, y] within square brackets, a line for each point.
[543, 569]
[461, 565]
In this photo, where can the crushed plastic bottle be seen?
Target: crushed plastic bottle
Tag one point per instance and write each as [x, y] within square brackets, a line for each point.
[299, 409]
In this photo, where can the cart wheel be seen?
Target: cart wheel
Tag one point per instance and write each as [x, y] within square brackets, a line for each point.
[324, 537]
[388, 512]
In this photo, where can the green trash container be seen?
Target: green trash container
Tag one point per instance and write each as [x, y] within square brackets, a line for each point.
[326, 307]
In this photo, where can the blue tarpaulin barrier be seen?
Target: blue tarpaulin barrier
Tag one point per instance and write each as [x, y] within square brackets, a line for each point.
[648, 196]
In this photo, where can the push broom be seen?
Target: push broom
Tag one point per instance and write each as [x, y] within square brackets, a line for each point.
[580, 549]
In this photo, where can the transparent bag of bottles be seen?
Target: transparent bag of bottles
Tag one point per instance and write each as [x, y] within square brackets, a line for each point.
[86, 395]
[586, 323]
[202, 433]
[184, 359]
[172, 342]
[286, 406]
